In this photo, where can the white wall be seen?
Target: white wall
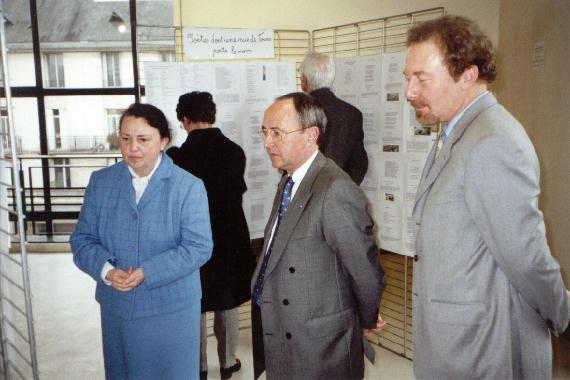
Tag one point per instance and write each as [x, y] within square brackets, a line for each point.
[540, 99]
[315, 14]
[21, 69]
[83, 69]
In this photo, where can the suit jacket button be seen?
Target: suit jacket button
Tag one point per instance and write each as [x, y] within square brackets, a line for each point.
[285, 302]
[291, 270]
[416, 258]
[288, 335]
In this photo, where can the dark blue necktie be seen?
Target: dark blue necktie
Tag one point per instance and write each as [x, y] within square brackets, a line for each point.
[285, 202]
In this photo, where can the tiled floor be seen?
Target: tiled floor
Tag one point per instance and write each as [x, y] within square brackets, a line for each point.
[69, 342]
[68, 332]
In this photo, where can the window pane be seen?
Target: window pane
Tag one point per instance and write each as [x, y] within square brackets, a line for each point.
[113, 118]
[82, 30]
[55, 70]
[112, 68]
[19, 42]
[60, 72]
[155, 36]
[116, 69]
[84, 124]
[25, 113]
[108, 69]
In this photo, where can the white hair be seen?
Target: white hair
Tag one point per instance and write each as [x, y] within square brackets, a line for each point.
[318, 69]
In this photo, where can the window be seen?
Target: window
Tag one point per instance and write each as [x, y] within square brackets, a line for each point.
[56, 128]
[54, 70]
[111, 69]
[62, 173]
[113, 118]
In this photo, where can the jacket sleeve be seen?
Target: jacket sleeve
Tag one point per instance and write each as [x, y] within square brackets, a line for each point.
[348, 229]
[194, 248]
[502, 189]
[88, 253]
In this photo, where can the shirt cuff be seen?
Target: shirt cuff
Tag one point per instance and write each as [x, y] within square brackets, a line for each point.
[106, 269]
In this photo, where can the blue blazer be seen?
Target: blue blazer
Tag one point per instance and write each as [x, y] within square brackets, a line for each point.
[167, 234]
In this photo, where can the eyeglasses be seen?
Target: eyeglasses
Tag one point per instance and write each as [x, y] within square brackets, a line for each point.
[276, 133]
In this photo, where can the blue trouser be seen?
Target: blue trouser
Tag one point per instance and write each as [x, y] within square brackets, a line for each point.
[165, 346]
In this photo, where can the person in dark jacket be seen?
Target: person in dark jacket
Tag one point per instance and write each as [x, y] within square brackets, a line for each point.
[220, 163]
[344, 140]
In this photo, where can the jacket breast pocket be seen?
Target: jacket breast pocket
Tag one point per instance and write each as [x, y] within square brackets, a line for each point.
[458, 313]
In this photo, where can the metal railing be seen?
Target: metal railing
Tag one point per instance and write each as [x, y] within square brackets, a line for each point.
[17, 336]
[54, 215]
[68, 144]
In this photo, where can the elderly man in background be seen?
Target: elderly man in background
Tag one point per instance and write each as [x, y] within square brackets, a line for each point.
[344, 139]
[487, 292]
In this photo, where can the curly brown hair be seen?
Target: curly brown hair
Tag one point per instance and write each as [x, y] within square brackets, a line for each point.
[461, 42]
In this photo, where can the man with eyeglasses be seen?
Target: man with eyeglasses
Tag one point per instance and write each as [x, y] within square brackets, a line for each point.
[317, 287]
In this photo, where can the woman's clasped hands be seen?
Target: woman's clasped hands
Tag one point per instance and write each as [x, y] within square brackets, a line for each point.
[125, 281]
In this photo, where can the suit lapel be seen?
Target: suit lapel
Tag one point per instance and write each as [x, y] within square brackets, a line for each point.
[126, 186]
[269, 226]
[434, 165]
[296, 209]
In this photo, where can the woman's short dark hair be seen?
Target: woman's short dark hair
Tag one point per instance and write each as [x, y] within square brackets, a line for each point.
[197, 107]
[461, 43]
[153, 116]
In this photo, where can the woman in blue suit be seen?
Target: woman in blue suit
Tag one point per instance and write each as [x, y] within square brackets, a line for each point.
[142, 235]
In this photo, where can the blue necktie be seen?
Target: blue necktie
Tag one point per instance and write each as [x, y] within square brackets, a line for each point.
[285, 202]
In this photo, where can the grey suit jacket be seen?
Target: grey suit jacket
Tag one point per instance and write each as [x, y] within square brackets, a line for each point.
[323, 282]
[487, 292]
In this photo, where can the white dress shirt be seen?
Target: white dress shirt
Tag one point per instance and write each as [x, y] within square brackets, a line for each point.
[297, 177]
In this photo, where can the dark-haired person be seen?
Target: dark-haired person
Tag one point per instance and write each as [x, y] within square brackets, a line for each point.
[142, 235]
[220, 163]
[487, 293]
[317, 287]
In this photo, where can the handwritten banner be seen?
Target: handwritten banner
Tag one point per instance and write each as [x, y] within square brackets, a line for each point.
[213, 43]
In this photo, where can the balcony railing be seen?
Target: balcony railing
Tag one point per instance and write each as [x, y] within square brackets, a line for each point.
[70, 144]
[52, 211]
[91, 144]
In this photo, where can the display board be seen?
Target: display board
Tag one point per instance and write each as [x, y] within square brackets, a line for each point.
[396, 144]
[242, 91]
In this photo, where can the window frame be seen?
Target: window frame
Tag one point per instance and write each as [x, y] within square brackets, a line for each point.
[111, 62]
[54, 70]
